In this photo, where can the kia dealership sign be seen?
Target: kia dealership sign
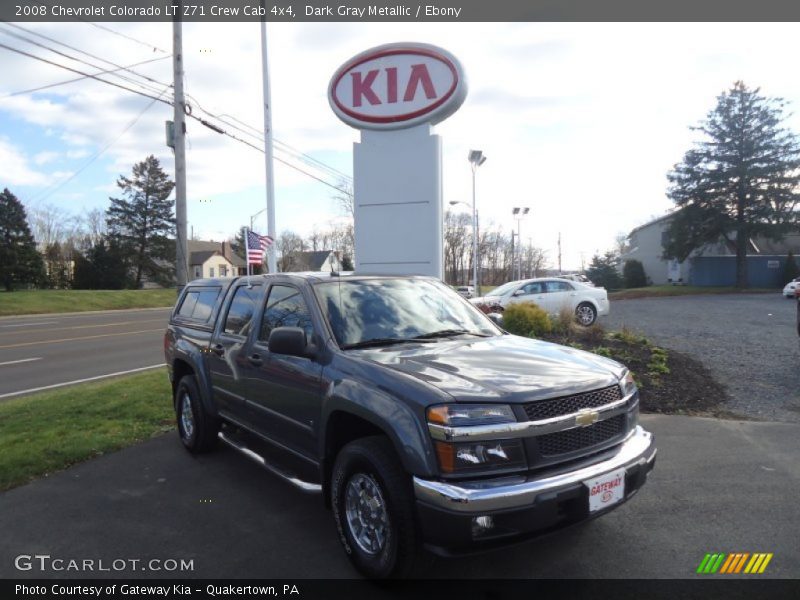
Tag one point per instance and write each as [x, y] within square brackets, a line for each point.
[396, 86]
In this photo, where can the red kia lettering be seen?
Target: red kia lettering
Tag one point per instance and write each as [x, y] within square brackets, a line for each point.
[362, 85]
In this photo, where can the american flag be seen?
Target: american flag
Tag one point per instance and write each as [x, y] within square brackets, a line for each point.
[256, 246]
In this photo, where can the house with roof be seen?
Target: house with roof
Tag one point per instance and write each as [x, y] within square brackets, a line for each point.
[319, 260]
[214, 259]
[712, 264]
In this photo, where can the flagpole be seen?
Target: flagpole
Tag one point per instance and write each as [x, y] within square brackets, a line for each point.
[270, 251]
[247, 252]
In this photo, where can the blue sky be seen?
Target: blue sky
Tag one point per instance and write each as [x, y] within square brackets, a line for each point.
[580, 122]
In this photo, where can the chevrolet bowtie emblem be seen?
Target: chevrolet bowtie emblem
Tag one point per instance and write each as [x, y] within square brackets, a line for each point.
[587, 417]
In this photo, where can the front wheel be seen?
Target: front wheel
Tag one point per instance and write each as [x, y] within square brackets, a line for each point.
[586, 314]
[373, 507]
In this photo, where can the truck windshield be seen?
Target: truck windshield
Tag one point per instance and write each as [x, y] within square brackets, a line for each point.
[388, 311]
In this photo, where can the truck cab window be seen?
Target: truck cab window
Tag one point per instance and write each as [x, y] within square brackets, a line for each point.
[240, 313]
[285, 308]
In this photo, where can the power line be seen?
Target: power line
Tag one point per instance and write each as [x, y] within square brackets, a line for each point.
[207, 124]
[55, 41]
[133, 39]
[52, 190]
[58, 83]
[22, 52]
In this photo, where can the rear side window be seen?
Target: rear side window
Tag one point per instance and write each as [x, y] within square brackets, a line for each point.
[198, 304]
[243, 306]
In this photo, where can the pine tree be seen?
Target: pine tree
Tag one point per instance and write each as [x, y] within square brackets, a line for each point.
[741, 181]
[20, 262]
[603, 271]
[142, 225]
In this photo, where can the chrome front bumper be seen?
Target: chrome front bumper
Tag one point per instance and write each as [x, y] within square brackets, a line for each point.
[482, 496]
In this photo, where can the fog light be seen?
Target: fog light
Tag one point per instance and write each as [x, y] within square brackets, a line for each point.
[482, 525]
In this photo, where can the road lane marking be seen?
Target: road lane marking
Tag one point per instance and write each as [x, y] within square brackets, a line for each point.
[85, 380]
[88, 337]
[95, 326]
[16, 362]
[29, 324]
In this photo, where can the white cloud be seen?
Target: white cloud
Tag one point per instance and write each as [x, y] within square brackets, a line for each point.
[16, 168]
[42, 158]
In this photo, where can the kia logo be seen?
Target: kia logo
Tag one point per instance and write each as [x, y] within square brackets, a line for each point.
[397, 86]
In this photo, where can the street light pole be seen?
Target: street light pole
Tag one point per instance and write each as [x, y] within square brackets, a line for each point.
[518, 213]
[476, 159]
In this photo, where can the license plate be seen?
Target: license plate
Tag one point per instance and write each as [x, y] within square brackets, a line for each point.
[606, 490]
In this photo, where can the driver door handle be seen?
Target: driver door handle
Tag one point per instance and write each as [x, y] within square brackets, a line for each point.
[255, 360]
[219, 349]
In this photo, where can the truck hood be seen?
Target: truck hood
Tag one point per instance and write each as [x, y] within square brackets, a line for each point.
[504, 368]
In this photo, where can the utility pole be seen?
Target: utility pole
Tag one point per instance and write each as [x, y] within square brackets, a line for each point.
[181, 245]
[272, 261]
[559, 253]
[513, 254]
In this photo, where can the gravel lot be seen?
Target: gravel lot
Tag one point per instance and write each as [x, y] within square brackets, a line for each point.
[749, 341]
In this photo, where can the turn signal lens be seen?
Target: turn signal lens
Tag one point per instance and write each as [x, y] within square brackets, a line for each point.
[628, 384]
[479, 456]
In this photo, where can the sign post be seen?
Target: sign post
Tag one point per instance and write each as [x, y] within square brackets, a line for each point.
[394, 94]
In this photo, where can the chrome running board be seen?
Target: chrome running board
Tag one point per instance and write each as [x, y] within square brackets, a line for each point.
[305, 486]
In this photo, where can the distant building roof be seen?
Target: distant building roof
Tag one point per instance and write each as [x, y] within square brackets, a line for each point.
[224, 248]
[199, 258]
[307, 261]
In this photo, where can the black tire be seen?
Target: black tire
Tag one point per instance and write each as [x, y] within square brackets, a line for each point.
[198, 431]
[372, 461]
[585, 314]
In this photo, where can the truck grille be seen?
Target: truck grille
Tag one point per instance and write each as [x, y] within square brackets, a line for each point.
[546, 409]
[572, 440]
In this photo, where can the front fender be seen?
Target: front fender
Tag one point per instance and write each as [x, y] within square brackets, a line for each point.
[398, 420]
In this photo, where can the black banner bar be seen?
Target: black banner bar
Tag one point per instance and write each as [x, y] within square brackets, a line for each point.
[730, 588]
[398, 10]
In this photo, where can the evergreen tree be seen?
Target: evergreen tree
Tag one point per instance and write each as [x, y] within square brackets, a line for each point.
[141, 224]
[603, 271]
[633, 274]
[741, 181]
[20, 262]
[102, 268]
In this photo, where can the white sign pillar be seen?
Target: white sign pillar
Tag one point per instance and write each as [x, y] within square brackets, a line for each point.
[394, 94]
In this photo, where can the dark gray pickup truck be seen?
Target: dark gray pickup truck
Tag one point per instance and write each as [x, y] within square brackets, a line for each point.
[417, 418]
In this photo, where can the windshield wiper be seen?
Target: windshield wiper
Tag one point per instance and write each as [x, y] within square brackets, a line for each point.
[382, 342]
[448, 333]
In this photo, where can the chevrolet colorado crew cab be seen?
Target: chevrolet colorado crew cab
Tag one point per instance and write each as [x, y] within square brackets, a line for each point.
[419, 421]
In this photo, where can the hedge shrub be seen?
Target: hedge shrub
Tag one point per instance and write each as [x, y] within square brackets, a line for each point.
[527, 319]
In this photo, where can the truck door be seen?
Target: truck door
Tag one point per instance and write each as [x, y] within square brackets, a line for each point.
[285, 395]
[227, 360]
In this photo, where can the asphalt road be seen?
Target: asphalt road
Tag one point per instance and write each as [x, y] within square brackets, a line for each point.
[748, 341]
[41, 351]
[718, 486]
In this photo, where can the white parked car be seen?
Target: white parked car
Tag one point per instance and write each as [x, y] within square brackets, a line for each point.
[467, 291]
[552, 294]
[576, 277]
[789, 290]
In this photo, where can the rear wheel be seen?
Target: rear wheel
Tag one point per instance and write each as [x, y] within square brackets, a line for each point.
[373, 507]
[198, 429]
[586, 314]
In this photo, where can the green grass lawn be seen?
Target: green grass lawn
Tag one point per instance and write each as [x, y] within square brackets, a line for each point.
[680, 290]
[31, 302]
[49, 431]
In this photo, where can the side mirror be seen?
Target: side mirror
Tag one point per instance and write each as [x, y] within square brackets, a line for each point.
[519, 292]
[496, 318]
[291, 341]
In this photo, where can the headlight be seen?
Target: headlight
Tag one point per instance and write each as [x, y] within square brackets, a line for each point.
[628, 384]
[464, 415]
[471, 457]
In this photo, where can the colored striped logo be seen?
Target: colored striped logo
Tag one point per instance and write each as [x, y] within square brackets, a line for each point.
[737, 562]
